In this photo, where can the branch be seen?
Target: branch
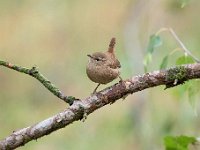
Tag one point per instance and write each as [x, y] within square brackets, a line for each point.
[171, 77]
[34, 72]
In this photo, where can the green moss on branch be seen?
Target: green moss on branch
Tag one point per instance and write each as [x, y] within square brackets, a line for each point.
[34, 72]
[176, 76]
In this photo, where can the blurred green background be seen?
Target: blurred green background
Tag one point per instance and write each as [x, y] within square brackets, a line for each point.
[57, 35]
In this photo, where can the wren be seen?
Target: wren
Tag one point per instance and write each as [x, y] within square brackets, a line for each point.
[103, 67]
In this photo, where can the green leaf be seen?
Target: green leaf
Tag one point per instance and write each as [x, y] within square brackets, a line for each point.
[178, 142]
[184, 3]
[154, 42]
[147, 60]
[164, 62]
[193, 93]
[185, 60]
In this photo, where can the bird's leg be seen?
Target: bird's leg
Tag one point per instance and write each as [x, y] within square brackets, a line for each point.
[120, 79]
[96, 88]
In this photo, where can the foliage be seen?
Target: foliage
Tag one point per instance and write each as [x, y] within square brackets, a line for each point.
[185, 60]
[154, 41]
[178, 142]
[183, 3]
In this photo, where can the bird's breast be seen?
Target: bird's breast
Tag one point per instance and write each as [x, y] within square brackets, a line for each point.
[101, 74]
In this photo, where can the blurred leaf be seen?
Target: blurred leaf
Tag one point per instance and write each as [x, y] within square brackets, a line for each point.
[178, 142]
[184, 3]
[185, 60]
[180, 92]
[191, 95]
[164, 62]
[193, 90]
[147, 60]
[154, 42]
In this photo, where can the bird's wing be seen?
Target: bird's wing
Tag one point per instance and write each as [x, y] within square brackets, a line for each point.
[118, 64]
[115, 64]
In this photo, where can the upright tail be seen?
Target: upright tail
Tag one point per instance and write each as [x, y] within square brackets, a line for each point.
[112, 45]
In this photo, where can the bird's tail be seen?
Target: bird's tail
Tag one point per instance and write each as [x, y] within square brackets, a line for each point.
[112, 45]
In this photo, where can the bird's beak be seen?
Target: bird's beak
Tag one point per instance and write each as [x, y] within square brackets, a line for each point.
[89, 55]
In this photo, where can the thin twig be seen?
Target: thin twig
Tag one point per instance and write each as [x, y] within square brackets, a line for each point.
[182, 45]
[34, 72]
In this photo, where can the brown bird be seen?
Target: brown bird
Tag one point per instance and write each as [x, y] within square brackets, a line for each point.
[103, 67]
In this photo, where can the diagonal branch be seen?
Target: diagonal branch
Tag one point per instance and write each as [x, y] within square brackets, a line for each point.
[34, 72]
[170, 77]
[182, 45]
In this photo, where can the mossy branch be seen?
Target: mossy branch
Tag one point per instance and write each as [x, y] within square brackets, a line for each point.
[34, 72]
[80, 109]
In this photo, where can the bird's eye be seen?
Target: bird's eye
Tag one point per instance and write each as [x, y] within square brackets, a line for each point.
[97, 59]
